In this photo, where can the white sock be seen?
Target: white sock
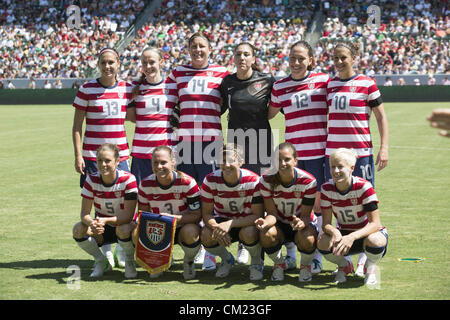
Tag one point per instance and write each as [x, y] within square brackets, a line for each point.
[128, 249]
[306, 258]
[220, 251]
[362, 258]
[373, 257]
[277, 257]
[255, 253]
[106, 248]
[291, 249]
[339, 260]
[90, 246]
[190, 251]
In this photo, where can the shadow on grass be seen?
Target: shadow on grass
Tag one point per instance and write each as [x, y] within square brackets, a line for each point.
[238, 276]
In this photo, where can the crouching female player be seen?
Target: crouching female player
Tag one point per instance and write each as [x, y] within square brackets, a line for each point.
[175, 194]
[288, 198]
[113, 193]
[352, 200]
[231, 203]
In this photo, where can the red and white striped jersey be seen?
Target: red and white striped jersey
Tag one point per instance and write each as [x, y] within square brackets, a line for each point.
[304, 104]
[348, 208]
[199, 100]
[350, 102]
[105, 116]
[288, 199]
[182, 196]
[231, 201]
[154, 107]
[109, 200]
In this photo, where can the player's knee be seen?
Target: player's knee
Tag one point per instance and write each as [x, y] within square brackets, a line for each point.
[375, 240]
[306, 239]
[323, 242]
[79, 230]
[268, 238]
[249, 234]
[124, 231]
[189, 233]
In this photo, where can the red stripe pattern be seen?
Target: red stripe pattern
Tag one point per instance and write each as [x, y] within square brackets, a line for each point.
[305, 108]
[154, 107]
[288, 200]
[348, 209]
[173, 200]
[199, 99]
[109, 200]
[105, 110]
[349, 114]
[231, 202]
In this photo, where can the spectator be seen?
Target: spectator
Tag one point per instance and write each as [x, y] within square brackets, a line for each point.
[401, 82]
[47, 85]
[431, 80]
[387, 82]
[32, 84]
[10, 85]
[446, 82]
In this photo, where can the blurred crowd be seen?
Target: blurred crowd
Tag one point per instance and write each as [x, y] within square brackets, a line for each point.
[412, 37]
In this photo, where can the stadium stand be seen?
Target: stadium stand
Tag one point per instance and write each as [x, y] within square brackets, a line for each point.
[412, 38]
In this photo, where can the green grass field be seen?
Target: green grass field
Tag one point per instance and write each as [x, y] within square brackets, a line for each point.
[41, 200]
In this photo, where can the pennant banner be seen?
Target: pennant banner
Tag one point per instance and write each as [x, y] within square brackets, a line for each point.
[155, 244]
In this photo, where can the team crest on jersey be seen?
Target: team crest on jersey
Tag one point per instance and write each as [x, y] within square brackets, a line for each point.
[241, 193]
[176, 196]
[352, 88]
[297, 194]
[118, 194]
[155, 231]
[209, 73]
[121, 95]
[354, 201]
[311, 86]
[257, 86]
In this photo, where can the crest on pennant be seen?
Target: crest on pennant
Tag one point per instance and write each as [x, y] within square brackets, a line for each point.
[311, 86]
[155, 231]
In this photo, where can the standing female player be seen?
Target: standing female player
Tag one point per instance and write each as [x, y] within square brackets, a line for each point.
[231, 203]
[288, 199]
[174, 194]
[351, 99]
[103, 103]
[303, 98]
[352, 200]
[197, 87]
[246, 94]
[200, 128]
[113, 193]
[155, 99]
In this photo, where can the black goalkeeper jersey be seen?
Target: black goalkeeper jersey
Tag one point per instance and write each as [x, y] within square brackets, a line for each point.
[247, 100]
